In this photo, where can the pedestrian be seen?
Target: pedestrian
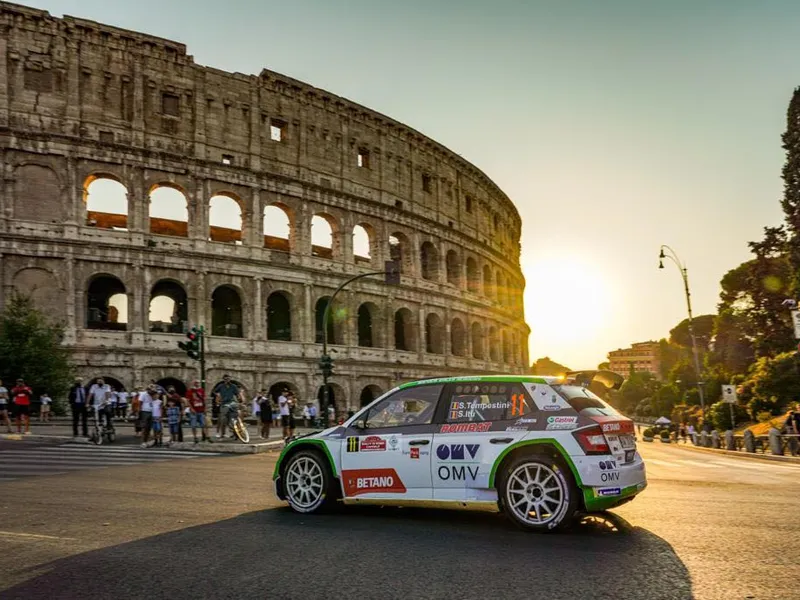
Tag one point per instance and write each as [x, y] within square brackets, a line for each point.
[134, 415]
[683, 432]
[111, 405]
[292, 406]
[331, 415]
[312, 413]
[22, 405]
[157, 411]
[4, 406]
[283, 409]
[690, 432]
[44, 408]
[255, 407]
[266, 414]
[77, 397]
[99, 399]
[276, 413]
[144, 423]
[122, 405]
[226, 393]
[306, 416]
[174, 416]
[196, 397]
[793, 422]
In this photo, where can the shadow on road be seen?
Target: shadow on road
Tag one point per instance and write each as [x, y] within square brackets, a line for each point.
[372, 553]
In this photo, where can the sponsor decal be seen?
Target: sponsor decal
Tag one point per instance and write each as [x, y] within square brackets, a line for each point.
[614, 425]
[515, 428]
[608, 476]
[556, 423]
[372, 481]
[525, 421]
[609, 492]
[457, 472]
[608, 465]
[414, 453]
[551, 407]
[460, 409]
[373, 443]
[518, 404]
[352, 444]
[394, 443]
[465, 427]
[457, 451]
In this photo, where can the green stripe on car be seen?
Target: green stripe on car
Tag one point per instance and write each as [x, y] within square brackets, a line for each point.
[535, 442]
[307, 441]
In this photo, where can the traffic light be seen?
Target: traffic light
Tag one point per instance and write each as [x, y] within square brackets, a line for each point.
[326, 364]
[192, 347]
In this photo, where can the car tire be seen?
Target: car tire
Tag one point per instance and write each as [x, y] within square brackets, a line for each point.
[538, 493]
[308, 482]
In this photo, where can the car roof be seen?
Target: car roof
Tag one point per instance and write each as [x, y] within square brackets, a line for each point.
[487, 378]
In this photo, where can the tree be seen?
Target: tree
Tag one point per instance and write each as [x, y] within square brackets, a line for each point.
[668, 356]
[30, 348]
[791, 186]
[636, 388]
[731, 350]
[604, 366]
[703, 326]
[545, 366]
[665, 398]
[774, 383]
[719, 414]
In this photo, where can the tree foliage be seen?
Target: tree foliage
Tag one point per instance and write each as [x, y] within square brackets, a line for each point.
[703, 326]
[773, 382]
[636, 388]
[30, 348]
[719, 414]
[545, 366]
[791, 186]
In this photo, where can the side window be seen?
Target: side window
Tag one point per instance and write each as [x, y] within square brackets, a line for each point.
[477, 402]
[412, 406]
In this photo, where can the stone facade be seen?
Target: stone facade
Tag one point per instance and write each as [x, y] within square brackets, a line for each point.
[81, 101]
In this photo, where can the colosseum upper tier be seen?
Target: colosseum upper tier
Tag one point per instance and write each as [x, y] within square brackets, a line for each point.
[143, 194]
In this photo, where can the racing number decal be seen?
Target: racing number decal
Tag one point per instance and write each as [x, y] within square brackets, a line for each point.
[518, 405]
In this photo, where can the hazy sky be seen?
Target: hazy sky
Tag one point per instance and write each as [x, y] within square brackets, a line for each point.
[614, 126]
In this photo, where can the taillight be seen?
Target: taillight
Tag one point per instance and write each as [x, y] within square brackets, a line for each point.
[592, 440]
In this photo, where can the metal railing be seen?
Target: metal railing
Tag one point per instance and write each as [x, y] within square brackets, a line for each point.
[775, 443]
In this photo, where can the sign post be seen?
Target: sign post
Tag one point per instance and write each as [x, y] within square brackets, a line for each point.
[729, 396]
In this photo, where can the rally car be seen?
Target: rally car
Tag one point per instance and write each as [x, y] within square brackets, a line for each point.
[539, 449]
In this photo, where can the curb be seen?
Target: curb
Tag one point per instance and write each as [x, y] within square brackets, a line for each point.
[224, 448]
[33, 437]
[746, 455]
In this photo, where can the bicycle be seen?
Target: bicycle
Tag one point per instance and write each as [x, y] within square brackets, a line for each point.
[100, 430]
[236, 424]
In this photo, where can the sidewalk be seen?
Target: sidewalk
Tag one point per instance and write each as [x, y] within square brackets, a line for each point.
[736, 453]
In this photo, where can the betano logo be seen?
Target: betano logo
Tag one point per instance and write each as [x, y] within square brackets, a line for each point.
[372, 481]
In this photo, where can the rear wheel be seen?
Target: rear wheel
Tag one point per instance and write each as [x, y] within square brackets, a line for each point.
[538, 493]
[307, 482]
[240, 429]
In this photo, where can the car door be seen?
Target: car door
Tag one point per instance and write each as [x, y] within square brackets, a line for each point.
[478, 421]
[387, 453]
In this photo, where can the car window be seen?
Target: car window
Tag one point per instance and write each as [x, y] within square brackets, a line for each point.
[412, 406]
[477, 402]
[584, 400]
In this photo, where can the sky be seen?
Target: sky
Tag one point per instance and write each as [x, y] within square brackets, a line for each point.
[614, 126]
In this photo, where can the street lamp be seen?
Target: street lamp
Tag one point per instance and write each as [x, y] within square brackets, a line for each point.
[672, 255]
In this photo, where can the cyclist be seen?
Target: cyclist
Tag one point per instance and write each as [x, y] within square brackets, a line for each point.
[100, 399]
[227, 394]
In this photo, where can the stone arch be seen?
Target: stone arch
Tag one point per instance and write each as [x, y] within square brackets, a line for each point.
[399, 252]
[43, 288]
[115, 383]
[453, 268]
[324, 235]
[106, 200]
[429, 261]
[169, 307]
[494, 344]
[225, 218]
[166, 382]
[434, 334]
[405, 336]
[363, 242]
[476, 337]
[278, 223]
[337, 397]
[168, 208]
[473, 276]
[458, 338]
[368, 394]
[106, 303]
[276, 389]
[488, 282]
[226, 312]
[279, 316]
[368, 325]
[37, 194]
[336, 321]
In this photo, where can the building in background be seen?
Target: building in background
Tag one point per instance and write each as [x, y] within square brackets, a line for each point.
[641, 357]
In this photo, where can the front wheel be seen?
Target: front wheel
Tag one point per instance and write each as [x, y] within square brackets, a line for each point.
[240, 429]
[537, 493]
[307, 482]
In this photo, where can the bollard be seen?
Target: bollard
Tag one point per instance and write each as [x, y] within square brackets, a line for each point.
[775, 445]
[730, 442]
[749, 441]
[694, 438]
[793, 446]
[715, 439]
[704, 441]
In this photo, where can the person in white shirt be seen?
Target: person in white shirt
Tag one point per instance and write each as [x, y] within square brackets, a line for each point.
[283, 409]
[4, 406]
[44, 409]
[99, 399]
[145, 420]
[158, 406]
[122, 404]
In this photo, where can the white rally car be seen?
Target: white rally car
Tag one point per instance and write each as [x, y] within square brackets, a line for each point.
[538, 448]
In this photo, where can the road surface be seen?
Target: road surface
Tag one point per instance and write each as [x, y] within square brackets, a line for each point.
[209, 527]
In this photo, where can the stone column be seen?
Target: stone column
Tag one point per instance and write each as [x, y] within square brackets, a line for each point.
[70, 292]
[255, 226]
[345, 235]
[258, 332]
[307, 326]
[142, 320]
[202, 301]
[421, 340]
[4, 78]
[74, 197]
[301, 231]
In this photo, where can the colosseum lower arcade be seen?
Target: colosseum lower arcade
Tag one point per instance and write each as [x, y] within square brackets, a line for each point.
[143, 194]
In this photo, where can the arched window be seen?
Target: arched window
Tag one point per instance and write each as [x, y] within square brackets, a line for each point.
[473, 277]
[429, 259]
[453, 268]
[169, 211]
[362, 243]
[365, 337]
[458, 338]
[277, 228]
[477, 340]
[225, 219]
[322, 230]
[226, 312]
[404, 337]
[107, 304]
[368, 394]
[279, 317]
[106, 203]
[494, 344]
[488, 282]
[398, 252]
[169, 307]
[434, 340]
[334, 322]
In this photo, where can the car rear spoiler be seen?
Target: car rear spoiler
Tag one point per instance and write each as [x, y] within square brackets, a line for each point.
[609, 379]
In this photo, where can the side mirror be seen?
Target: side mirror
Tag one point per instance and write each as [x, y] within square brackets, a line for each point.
[360, 424]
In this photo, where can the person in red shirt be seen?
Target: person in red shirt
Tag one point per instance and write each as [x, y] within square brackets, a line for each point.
[22, 405]
[196, 396]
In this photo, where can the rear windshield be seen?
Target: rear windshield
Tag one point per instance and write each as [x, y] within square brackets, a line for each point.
[584, 401]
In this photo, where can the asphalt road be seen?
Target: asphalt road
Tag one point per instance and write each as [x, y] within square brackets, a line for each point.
[707, 527]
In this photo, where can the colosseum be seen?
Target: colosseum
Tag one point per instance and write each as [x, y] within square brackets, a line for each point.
[143, 194]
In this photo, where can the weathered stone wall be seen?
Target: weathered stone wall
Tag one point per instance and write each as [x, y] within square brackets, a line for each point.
[80, 100]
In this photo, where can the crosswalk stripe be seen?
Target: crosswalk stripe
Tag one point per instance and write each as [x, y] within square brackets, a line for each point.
[40, 467]
[144, 456]
[141, 451]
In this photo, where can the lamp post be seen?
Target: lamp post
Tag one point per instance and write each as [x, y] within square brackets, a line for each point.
[672, 255]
